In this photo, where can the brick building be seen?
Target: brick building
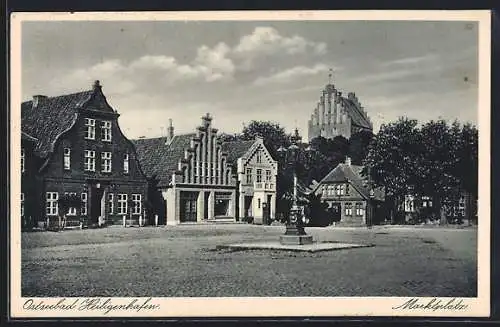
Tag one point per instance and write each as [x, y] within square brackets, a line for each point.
[190, 174]
[72, 145]
[346, 192]
[337, 115]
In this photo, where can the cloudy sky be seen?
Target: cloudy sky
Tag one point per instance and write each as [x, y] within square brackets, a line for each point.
[264, 70]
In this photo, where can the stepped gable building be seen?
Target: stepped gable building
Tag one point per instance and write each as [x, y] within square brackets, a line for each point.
[346, 192]
[72, 145]
[337, 115]
[256, 171]
[191, 175]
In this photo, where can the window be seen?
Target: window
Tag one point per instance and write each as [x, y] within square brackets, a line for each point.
[90, 129]
[84, 204]
[106, 131]
[125, 164]
[122, 204]
[259, 156]
[137, 200]
[337, 189]
[249, 175]
[268, 176]
[67, 158]
[360, 211]
[426, 202]
[106, 162]
[71, 210]
[22, 204]
[89, 164]
[111, 206]
[409, 203]
[51, 203]
[258, 203]
[348, 209]
[259, 175]
[22, 160]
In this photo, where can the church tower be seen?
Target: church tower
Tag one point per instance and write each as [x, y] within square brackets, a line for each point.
[336, 115]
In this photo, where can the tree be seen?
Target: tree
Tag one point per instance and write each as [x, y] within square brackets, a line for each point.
[273, 134]
[358, 146]
[439, 163]
[224, 137]
[393, 161]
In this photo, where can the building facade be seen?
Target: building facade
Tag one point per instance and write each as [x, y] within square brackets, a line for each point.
[256, 175]
[81, 152]
[192, 174]
[346, 193]
[336, 115]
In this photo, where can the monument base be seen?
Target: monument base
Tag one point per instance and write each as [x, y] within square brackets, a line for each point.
[296, 239]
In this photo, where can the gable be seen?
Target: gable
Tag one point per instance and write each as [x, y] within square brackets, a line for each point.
[46, 118]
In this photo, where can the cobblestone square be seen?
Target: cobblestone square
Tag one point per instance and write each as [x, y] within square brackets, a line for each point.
[184, 261]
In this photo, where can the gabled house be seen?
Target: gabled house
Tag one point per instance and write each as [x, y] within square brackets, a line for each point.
[256, 175]
[72, 145]
[347, 193]
[192, 174]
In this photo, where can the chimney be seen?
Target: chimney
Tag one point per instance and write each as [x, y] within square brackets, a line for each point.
[37, 99]
[170, 131]
[348, 161]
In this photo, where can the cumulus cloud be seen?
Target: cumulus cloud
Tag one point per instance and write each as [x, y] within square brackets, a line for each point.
[291, 74]
[266, 41]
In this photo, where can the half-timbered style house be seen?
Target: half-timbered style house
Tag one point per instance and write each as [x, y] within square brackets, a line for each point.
[77, 148]
[347, 193]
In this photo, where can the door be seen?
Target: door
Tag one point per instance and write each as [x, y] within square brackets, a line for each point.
[188, 202]
[95, 204]
[335, 212]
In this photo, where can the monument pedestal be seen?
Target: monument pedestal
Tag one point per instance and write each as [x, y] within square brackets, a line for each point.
[295, 235]
[296, 239]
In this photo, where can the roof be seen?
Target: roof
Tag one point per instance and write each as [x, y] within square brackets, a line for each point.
[236, 149]
[352, 173]
[27, 137]
[50, 118]
[357, 115]
[159, 159]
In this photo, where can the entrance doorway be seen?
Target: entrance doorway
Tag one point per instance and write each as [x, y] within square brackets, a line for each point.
[188, 202]
[335, 212]
[248, 206]
[96, 199]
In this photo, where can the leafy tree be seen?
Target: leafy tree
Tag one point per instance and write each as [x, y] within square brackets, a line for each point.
[224, 137]
[439, 163]
[358, 146]
[273, 134]
[393, 161]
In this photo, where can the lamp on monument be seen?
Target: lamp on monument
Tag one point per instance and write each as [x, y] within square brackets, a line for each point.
[294, 233]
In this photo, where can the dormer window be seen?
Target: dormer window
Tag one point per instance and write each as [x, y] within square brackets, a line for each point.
[22, 160]
[106, 131]
[126, 163]
[90, 129]
[67, 159]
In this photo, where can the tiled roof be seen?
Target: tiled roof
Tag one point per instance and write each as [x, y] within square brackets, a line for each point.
[159, 159]
[27, 137]
[236, 149]
[358, 117]
[352, 173]
[51, 117]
